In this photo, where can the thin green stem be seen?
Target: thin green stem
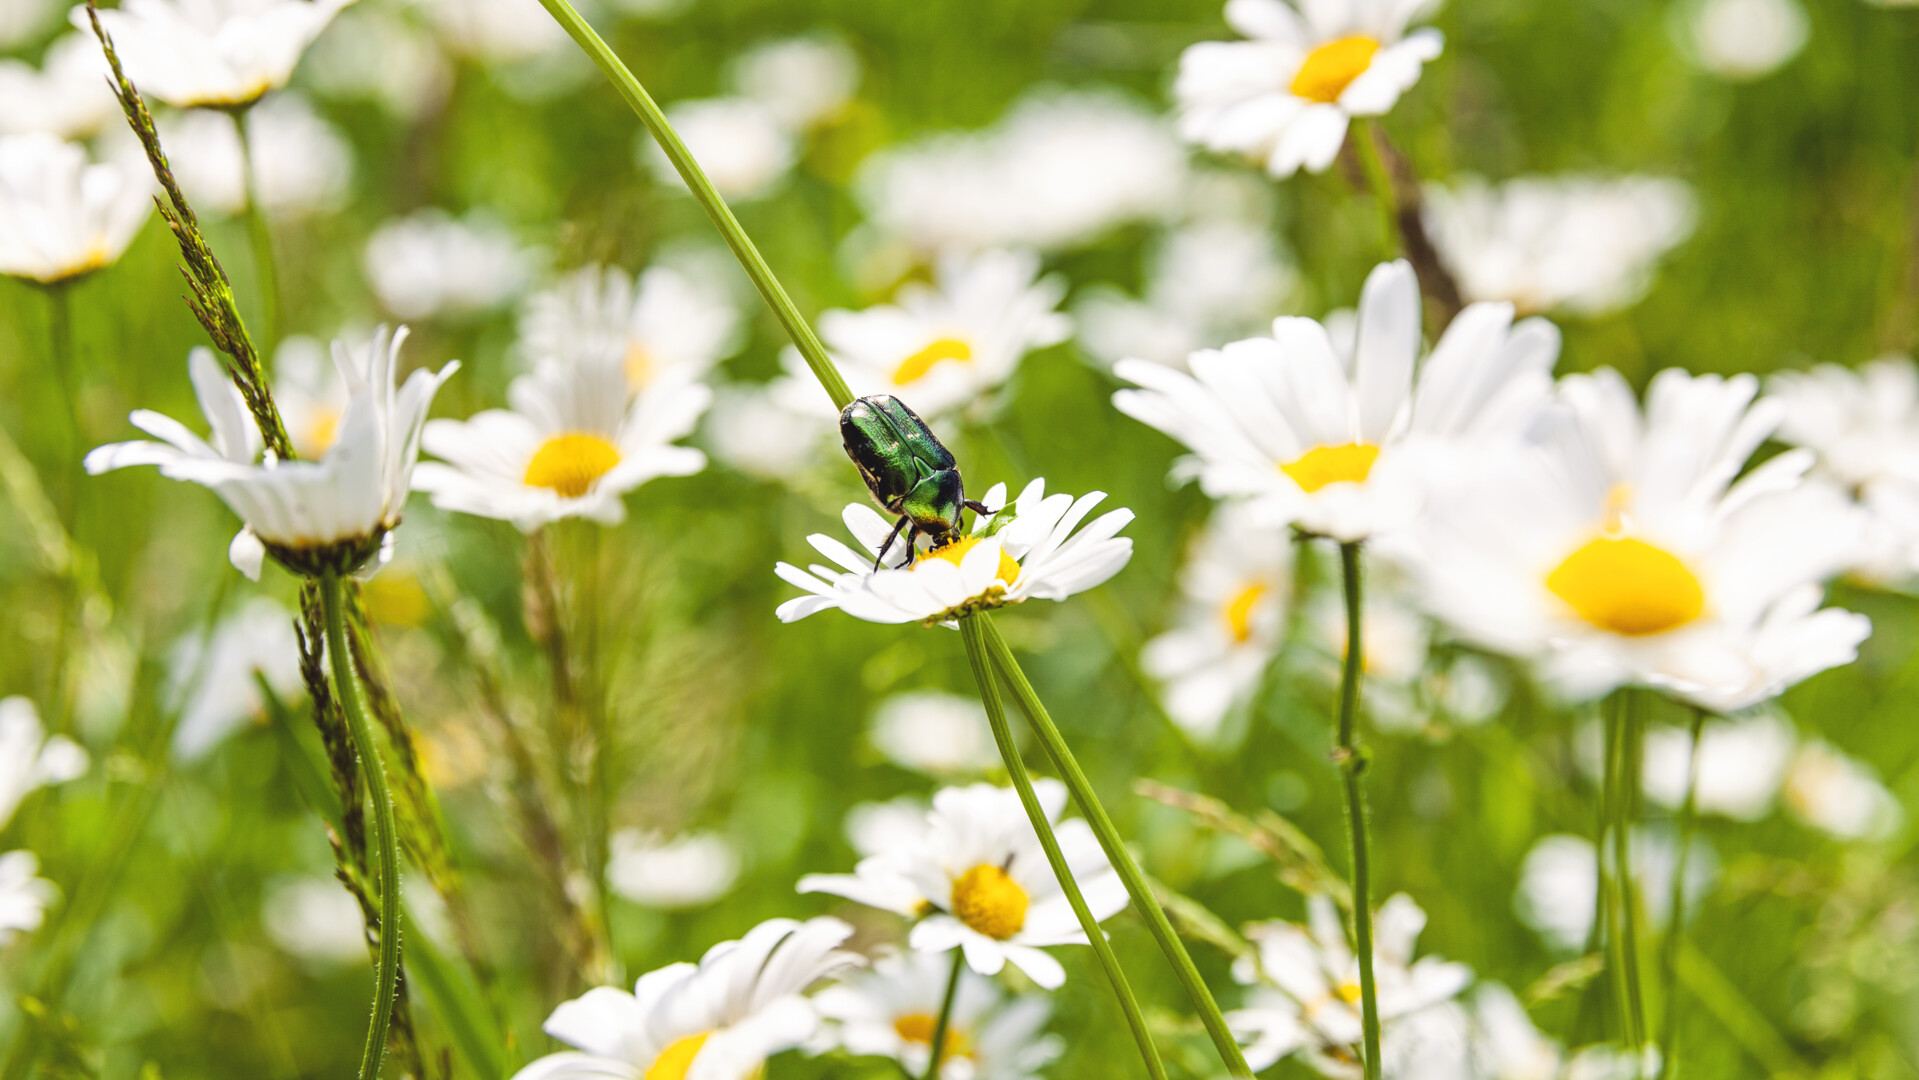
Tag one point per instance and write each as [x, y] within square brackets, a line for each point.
[1379, 180]
[1675, 912]
[1352, 764]
[938, 1045]
[1606, 914]
[1630, 740]
[976, 631]
[716, 209]
[346, 688]
[1109, 841]
[259, 235]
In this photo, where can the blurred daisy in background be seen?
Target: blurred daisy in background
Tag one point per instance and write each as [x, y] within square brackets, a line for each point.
[1583, 245]
[717, 1020]
[876, 827]
[316, 920]
[806, 81]
[1038, 555]
[767, 431]
[433, 265]
[1393, 640]
[301, 164]
[1305, 988]
[1742, 763]
[1742, 39]
[671, 873]
[1284, 98]
[1235, 590]
[1619, 550]
[742, 145]
[978, 881]
[1559, 883]
[1339, 446]
[373, 53]
[30, 759]
[1840, 795]
[574, 442]
[214, 679]
[67, 95]
[1864, 427]
[522, 49]
[24, 896]
[212, 53]
[667, 326]
[23, 20]
[310, 394]
[892, 1009]
[61, 216]
[934, 732]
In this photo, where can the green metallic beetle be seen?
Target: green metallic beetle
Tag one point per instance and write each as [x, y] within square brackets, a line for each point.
[907, 469]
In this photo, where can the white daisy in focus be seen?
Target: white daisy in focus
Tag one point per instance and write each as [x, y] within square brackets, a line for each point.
[743, 146]
[1744, 39]
[667, 326]
[1619, 550]
[1036, 556]
[430, 264]
[301, 164]
[31, 759]
[1864, 427]
[891, 1010]
[67, 95]
[1840, 795]
[1305, 987]
[934, 733]
[670, 874]
[1586, 245]
[573, 444]
[979, 881]
[1742, 763]
[805, 81]
[24, 897]
[61, 216]
[1340, 446]
[1285, 97]
[717, 1020]
[331, 515]
[215, 679]
[1234, 589]
[213, 53]
[1559, 882]
[1207, 283]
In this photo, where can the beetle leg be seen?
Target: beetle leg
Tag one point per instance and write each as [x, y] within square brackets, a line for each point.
[890, 537]
[979, 507]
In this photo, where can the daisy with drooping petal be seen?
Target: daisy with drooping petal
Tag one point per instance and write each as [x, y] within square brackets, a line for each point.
[24, 897]
[1285, 97]
[331, 515]
[214, 53]
[891, 1010]
[31, 759]
[1235, 590]
[573, 444]
[1338, 446]
[717, 1020]
[62, 217]
[1306, 987]
[979, 881]
[1037, 555]
[668, 325]
[1619, 550]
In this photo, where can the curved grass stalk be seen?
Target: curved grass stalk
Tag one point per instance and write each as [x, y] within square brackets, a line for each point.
[347, 689]
[1351, 764]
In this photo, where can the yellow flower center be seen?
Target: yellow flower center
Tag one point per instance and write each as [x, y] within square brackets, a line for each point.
[987, 899]
[673, 1063]
[1349, 992]
[955, 551]
[1240, 610]
[914, 368]
[1348, 463]
[322, 427]
[1332, 67]
[918, 1028]
[1628, 587]
[639, 364]
[571, 463]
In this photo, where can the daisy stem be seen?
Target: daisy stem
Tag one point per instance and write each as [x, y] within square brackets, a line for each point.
[978, 631]
[1621, 926]
[259, 236]
[1115, 848]
[938, 1045]
[716, 209]
[1352, 766]
[347, 688]
[1630, 739]
[1675, 912]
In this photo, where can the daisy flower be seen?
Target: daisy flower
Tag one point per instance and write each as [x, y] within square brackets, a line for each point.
[1864, 427]
[1338, 445]
[1840, 795]
[215, 679]
[301, 164]
[1305, 997]
[668, 325]
[1235, 590]
[1559, 881]
[934, 732]
[1742, 763]
[574, 442]
[431, 264]
[891, 1010]
[1285, 97]
[331, 515]
[67, 95]
[1586, 245]
[214, 53]
[31, 759]
[24, 897]
[806, 81]
[310, 395]
[62, 217]
[977, 880]
[1035, 555]
[717, 1020]
[685, 871]
[1740, 40]
[1620, 550]
[743, 146]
